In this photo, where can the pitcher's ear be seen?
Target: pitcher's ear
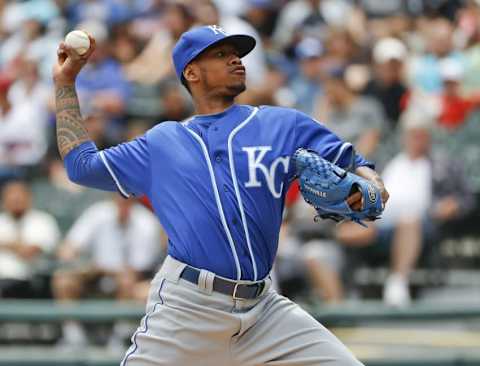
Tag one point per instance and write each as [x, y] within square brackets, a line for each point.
[190, 73]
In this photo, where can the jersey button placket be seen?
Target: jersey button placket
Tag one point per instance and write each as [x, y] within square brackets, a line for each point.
[218, 158]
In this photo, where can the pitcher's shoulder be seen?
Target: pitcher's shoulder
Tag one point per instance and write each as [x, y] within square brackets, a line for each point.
[277, 113]
[166, 131]
[164, 128]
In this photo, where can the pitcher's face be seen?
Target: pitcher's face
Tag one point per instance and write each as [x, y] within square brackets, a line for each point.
[219, 70]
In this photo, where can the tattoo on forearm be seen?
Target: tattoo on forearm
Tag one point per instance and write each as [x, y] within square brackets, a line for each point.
[70, 129]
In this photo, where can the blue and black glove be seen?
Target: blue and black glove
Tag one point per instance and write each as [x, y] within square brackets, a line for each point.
[327, 188]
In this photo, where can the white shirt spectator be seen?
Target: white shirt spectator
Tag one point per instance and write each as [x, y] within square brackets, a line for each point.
[34, 228]
[23, 135]
[38, 95]
[112, 247]
[409, 183]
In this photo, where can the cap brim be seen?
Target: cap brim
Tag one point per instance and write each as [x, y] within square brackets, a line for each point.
[243, 43]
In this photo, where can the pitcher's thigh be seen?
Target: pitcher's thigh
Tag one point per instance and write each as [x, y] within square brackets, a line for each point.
[287, 335]
[178, 334]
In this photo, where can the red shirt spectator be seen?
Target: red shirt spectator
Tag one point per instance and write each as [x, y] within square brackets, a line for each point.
[455, 110]
[455, 107]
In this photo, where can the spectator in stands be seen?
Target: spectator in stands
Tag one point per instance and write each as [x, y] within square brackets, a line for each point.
[111, 248]
[308, 252]
[469, 26]
[428, 190]
[389, 18]
[306, 18]
[104, 11]
[321, 258]
[125, 43]
[122, 241]
[7, 171]
[454, 107]
[261, 14]
[341, 50]
[154, 63]
[28, 87]
[26, 235]
[154, 84]
[306, 86]
[54, 193]
[102, 85]
[175, 106]
[424, 69]
[232, 7]
[23, 120]
[374, 9]
[31, 30]
[355, 118]
[387, 84]
[287, 273]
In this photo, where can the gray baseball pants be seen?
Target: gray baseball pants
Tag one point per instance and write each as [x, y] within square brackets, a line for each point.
[189, 325]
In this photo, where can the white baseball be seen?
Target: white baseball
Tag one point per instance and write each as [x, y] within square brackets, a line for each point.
[78, 40]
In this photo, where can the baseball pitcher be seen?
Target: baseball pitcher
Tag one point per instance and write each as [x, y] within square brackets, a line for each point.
[217, 182]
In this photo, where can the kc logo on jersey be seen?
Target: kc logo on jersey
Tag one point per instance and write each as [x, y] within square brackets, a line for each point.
[255, 157]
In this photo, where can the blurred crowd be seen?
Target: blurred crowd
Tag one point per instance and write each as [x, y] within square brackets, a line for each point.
[400, 79]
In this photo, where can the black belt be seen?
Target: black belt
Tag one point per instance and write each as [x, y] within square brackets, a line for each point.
[236, 290]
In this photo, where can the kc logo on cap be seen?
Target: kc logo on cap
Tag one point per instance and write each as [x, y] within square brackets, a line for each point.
[216, 29]
[198, 39]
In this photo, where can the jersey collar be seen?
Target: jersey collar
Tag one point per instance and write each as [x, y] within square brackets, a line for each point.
[202, 118]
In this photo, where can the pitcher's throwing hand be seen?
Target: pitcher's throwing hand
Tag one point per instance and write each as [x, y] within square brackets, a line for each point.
[69, 62]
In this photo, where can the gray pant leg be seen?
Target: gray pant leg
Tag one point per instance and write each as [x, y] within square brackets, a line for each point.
[279, 332]
[183, 327]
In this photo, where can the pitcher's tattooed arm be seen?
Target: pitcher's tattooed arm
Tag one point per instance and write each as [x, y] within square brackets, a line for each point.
[70, 129]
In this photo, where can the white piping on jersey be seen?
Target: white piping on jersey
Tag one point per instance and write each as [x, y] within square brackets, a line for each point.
[345, 146]
[237, 191]
[185, 122]
[115, 179]
[219, 203]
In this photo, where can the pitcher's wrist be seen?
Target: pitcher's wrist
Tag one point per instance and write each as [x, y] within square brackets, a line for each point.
[61, 82]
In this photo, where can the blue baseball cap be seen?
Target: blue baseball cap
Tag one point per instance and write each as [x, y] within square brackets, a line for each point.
[198, 39]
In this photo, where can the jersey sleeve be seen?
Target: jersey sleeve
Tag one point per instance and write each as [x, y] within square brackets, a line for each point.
[84, 167]
[129, 166]
[311, 134]
[125, 167]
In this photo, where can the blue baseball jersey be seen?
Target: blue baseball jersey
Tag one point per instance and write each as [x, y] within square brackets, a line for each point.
[216, 182]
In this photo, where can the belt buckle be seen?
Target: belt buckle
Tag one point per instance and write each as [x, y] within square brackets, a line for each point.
[234, 295]
[260, 288]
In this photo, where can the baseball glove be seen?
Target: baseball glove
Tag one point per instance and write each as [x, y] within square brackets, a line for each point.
[326, 187]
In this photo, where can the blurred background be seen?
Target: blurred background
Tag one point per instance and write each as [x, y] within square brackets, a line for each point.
[398, 78]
